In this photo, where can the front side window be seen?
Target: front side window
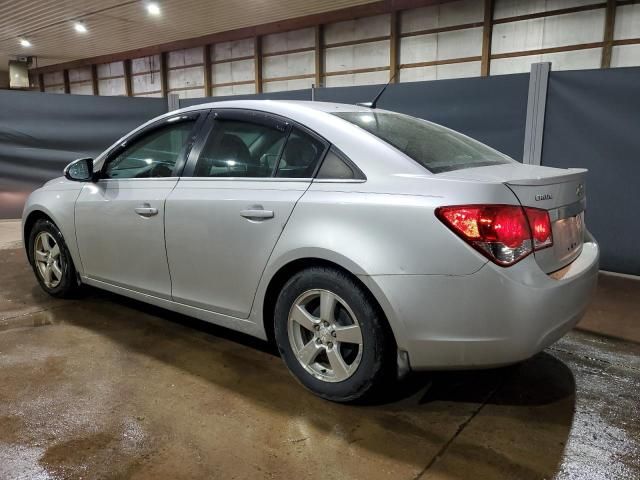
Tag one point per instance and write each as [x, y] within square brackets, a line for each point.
[240, 149]
[153, 155]
[436, 148]
[300, 156]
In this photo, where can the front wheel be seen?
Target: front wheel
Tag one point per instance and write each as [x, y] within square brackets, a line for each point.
[51, 260]
[332, 337]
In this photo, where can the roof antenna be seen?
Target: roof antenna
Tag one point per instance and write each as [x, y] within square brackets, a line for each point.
[374, 103]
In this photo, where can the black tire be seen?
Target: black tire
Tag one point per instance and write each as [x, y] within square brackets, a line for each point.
[377, 364]
[68, 286]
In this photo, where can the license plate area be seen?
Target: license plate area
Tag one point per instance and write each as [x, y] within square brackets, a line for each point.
[568, 236]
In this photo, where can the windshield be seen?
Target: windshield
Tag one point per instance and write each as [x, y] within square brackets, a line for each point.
[436, 148]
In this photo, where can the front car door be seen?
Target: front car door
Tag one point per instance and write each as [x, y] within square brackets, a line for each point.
[120, 217]
[228, 210]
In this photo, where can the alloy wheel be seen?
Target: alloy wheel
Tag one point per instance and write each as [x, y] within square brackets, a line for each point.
[46, 254]
[325, 335]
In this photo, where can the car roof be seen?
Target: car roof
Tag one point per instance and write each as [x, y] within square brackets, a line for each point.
[276, 105]
[380, 158]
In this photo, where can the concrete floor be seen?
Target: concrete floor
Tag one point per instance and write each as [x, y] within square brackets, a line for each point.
[105, 387]
[10, 236]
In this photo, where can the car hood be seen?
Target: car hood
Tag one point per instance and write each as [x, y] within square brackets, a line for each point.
[61, 183]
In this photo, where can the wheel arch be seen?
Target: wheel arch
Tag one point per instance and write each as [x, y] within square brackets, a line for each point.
[28, 224]
[287, 270]
[63, 220]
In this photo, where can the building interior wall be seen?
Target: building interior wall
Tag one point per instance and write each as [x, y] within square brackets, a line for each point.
[4, 79]
[428, 43]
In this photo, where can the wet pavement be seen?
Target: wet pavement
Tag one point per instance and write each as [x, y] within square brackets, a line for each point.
[106, 387]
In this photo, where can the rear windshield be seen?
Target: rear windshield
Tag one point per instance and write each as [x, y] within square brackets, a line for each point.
[436, 148]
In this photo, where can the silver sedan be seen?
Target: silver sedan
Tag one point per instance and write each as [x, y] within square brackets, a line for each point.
[365, 243]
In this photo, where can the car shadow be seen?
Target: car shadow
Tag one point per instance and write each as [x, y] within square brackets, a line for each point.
[421, 413]
[553, 380]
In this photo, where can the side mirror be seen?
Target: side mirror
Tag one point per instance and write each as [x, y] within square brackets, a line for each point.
[80, 170]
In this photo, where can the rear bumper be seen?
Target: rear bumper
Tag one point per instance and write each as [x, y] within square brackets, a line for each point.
[495, 316]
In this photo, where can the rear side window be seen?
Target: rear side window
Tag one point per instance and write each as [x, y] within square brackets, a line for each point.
[334, 167]
[240, 149]
[436, 148]
[300, 156]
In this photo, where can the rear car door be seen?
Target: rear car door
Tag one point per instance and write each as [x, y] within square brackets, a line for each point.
[228, 210]
[120, 217]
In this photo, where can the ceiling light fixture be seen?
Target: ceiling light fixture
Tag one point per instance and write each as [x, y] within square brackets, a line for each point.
[153, 8]
[24, 42]
[80, 27]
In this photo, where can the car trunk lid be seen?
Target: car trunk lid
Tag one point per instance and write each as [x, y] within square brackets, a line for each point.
[559, 191]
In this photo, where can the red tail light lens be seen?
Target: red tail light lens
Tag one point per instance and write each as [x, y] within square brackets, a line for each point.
[540, 227]
[503, 233]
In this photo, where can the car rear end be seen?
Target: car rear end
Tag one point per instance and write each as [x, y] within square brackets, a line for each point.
[541, 263]
[542, 268]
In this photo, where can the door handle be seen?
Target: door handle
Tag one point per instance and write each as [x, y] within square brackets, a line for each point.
[256, 213]
[146, 210]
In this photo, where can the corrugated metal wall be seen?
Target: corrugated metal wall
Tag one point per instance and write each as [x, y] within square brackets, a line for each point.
[288, 71]
[419, 48]
[233, 67]
[145, 76]
[434, 42]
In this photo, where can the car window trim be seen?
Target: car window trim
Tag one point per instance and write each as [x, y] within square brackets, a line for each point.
[252, 116]
[147, 130]
[276, 164]
[255, 116]
[196, 148]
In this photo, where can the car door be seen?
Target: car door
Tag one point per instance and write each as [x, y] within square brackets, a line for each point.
[228, 210]
[120, 217]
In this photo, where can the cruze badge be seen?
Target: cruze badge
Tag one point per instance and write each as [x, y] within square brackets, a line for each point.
[580, 190]
[543, 196]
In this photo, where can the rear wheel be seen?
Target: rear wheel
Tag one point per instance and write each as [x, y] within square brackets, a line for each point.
[332, 337]
[51, 260]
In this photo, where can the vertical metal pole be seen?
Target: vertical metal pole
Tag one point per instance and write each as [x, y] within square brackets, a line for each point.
[128, 82]
[94, 79]
[487, 32]
[394, 46]
[207, 70]
[65, 76]
[164, 80]
[319, 60]
[257, 62]
[536, 105]
[173, 102]
[609, 25]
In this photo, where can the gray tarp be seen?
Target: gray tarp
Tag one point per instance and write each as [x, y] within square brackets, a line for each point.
[492, 110]
[593, 121]
[41, 132]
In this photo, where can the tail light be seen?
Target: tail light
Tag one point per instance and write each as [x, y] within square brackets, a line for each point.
[540, 227]
[503, 233]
